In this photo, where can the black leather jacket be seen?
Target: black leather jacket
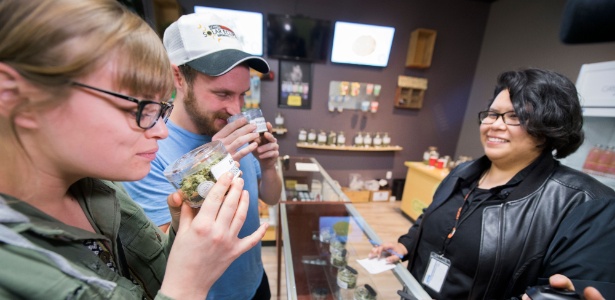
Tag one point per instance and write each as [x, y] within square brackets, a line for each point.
[537, 231]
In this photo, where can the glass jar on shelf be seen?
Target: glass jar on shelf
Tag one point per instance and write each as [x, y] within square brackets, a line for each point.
[302, 139]
[347, 277]
[386, 140]
[339, 258]
[365, 292]
[279, 121]
[377, 141]
[322, 138]
[331, 138]
[367, 140]
[341, 139]
[311, 138]
[358, 139]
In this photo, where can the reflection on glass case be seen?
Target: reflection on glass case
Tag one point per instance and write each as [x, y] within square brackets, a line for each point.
[325, 238]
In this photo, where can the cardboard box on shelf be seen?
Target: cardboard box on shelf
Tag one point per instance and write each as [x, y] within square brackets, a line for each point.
[356, 196]
[381, 195]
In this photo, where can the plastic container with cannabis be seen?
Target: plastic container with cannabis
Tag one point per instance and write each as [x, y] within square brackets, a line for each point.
[347, 277]
[365, 292]
[338, 258]
[197, 171]
[254, 116]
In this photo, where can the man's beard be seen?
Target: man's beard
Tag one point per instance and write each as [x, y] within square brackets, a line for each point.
[204, 121]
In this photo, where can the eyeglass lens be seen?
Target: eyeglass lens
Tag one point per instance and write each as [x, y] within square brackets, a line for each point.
[151, 112]
[489, 117]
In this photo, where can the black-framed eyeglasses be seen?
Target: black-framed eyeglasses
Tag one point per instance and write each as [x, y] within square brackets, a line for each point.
[489, 117]
[148, 111]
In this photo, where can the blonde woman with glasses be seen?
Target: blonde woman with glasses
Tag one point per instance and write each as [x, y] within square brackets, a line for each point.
[84, 86]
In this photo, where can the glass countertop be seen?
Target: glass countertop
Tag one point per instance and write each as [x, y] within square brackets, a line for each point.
[315, 229]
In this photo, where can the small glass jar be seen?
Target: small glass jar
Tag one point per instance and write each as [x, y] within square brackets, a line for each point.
[338, 258]
[365, 292]
[254, 116]
[322, 138]
[377, 141]
[341, 139]
[302, 136]
[331, 138]
[347, 277]
[311, 138]
[320, 293]
[326, 234]
[386, 140]
[358, 139]
[195, 173]
[279, 121]
[367, 140]
[336, 245]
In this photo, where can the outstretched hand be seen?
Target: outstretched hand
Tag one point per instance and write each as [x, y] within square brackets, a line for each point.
[563, 282]
[206, 242]
[392, 251]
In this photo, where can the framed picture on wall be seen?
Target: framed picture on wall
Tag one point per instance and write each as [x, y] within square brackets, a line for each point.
[295, 84]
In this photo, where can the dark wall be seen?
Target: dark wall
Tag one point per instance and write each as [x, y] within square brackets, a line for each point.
[460, 25]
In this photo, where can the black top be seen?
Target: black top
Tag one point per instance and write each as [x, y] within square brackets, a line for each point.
[463, 248]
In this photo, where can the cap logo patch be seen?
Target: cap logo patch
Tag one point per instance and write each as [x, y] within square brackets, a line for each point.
[217, 32]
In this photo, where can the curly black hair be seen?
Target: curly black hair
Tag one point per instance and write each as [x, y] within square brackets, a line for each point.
[547, 104]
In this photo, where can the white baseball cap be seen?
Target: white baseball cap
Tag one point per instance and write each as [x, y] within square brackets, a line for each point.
[202, 41]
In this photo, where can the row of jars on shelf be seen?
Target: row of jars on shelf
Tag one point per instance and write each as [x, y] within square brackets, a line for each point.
[361, 139]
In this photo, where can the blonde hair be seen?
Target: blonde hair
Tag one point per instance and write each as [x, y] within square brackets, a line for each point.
[51, 42]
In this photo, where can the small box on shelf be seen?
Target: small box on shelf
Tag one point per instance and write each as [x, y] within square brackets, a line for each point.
[420, 48]
[410, 92]
[357, 196]
[381, 195]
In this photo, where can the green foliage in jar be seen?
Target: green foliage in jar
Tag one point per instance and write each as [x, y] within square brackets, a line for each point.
[190, 183]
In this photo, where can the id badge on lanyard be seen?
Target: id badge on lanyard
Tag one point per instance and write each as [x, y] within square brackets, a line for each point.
[436, 272]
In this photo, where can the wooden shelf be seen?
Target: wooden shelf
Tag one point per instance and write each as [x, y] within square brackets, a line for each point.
[349, 148]
[279, 130]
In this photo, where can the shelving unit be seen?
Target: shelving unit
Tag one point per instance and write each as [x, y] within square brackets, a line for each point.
[410, 92]
[349, 148]
[420, 49]
[279, 130]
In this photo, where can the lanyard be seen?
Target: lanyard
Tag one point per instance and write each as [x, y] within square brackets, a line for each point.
[459, 220]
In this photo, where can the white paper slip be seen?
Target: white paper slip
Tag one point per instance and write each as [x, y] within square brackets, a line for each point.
[375, 265]
[306, 167]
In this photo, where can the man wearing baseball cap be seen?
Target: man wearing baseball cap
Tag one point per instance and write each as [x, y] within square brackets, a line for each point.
[211, 74]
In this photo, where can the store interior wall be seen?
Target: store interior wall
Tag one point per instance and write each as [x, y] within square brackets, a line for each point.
[460, 26]
[519, 34]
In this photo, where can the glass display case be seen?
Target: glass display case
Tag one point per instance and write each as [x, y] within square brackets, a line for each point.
[324, 234]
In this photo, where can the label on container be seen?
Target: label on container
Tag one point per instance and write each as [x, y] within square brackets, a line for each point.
[261, 124]
[227, 164]
[204, 187]
[341, 283]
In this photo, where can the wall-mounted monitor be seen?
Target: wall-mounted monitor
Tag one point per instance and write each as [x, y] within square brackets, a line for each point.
[298, 37]
[248, 26]
[361, 44]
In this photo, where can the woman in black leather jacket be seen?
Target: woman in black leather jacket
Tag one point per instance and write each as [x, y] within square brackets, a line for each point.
[516, 216]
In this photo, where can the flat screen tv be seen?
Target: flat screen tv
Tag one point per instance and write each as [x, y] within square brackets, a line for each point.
[298, 38]
[248, 26]
[361, 44]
